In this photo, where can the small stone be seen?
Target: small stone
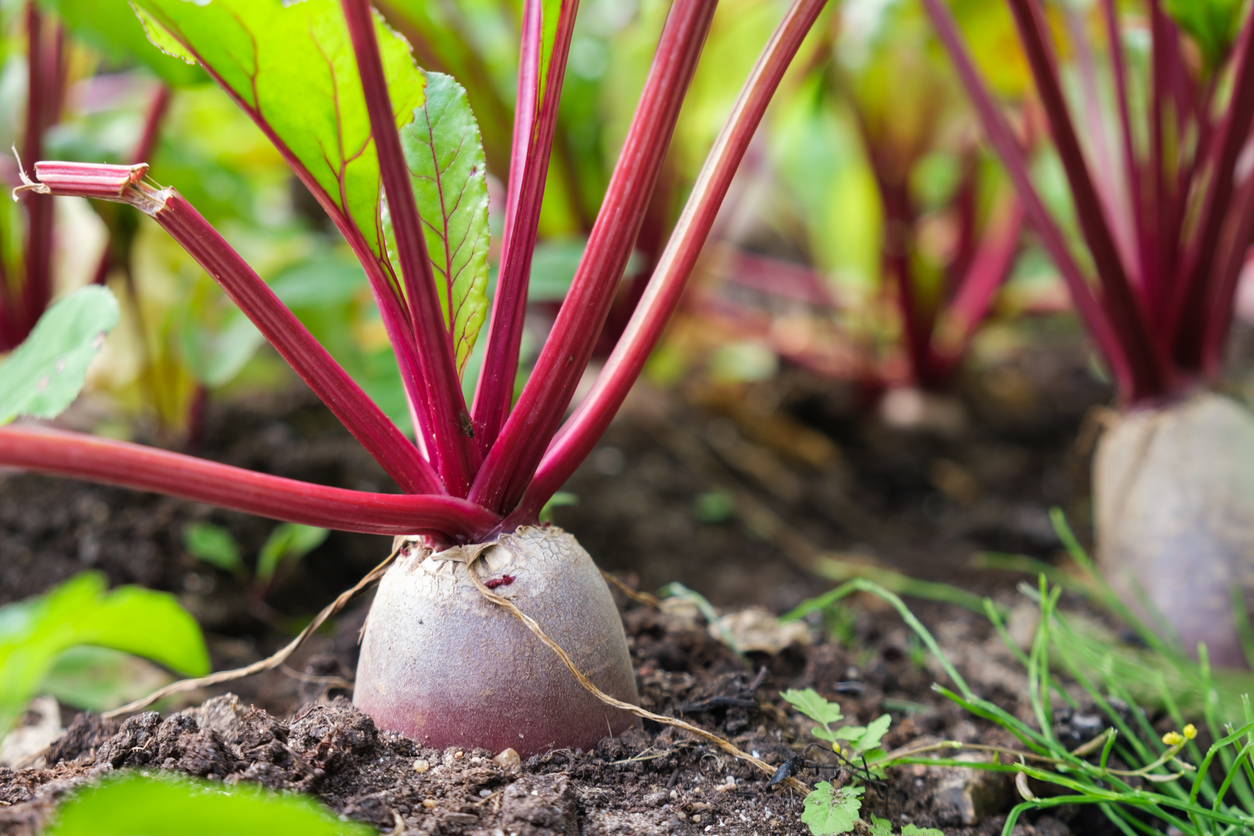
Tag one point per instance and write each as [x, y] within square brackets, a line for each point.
[430, 803]
[508, 759]
[421, 766]
[969, 796]
[697, 817]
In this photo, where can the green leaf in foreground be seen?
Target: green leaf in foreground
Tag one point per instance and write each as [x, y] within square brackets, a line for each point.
[45, 373]
[99, 679]
[829, 811]
[291, 67]
[134, 805]
[33, 633]
[444, 152]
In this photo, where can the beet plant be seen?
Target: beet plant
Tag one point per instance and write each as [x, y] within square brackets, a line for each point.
[882, 172]
[392, 153]
[1162, 197]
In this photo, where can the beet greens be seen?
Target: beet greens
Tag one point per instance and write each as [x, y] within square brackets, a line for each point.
[1163, 203]
[393, 155]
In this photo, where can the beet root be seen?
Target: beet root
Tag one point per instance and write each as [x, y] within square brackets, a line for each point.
[445, 666]
[1173, 491]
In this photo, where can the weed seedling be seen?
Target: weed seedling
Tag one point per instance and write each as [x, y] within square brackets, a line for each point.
[829, 809]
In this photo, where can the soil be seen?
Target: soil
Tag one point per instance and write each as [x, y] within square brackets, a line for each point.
[756, 482]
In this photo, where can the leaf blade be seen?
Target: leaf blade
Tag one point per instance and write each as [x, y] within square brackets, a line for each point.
[135, 804]
[287, 541]
[33, 633]
[214, 545]
[830, 811]
[45, 373]
[444, 153]
[291, 67]
[810, 703]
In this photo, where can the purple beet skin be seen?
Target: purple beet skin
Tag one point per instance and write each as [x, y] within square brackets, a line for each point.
[441, 664]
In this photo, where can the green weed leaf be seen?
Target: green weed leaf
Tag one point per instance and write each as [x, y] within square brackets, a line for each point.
[829, 811]
[291, 67]
[557, 500]
[864, 738]
[809, 703]
[136, 805]
[288, 541]
[444, 152]
[883, 827]
[33, 633]
[827, 734]
[214, 545]
[45, 373]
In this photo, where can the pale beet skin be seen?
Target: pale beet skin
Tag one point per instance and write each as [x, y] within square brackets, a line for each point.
[445, 666]
[1173, 506]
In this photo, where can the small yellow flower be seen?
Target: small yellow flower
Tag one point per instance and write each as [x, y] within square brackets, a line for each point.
[1174, 738]
[1190, 731]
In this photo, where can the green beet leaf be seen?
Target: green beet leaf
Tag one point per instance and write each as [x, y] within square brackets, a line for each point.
[33, 633]
[1211, 23]
[291, 67]
[108, 26]
[444, 152]
[45, 373]
[137, 805]
[829, 811]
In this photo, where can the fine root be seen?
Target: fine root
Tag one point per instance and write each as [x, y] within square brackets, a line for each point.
[531, 625]
[473, 555]
[634, 594]
[265, 664]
